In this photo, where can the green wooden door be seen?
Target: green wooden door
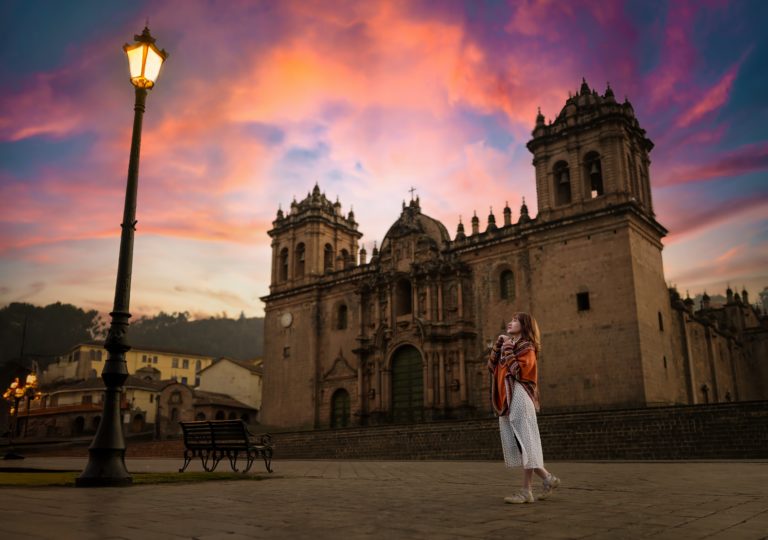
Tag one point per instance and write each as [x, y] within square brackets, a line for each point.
[340, 409]
[407, 386]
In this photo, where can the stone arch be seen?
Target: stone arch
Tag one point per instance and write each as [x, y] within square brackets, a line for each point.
[340, 408]
[328, 258]
[78, 426]
[593, 172]
[406, 369]
[283, 269]
[562, 177]
[301, 255]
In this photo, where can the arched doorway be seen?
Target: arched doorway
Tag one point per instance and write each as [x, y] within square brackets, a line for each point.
[407, 385]
[340, 408]
[78, 426]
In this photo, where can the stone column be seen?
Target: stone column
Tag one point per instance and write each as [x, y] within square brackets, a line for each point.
[429, 299]
[377, 385]
[462, 376]
[440, 299]
[441, 375]
[429, 379]
[460, 292]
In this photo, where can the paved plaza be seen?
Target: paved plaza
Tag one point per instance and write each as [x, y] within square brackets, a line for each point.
[402, 499]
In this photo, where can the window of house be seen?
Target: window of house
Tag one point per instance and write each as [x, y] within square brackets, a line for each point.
[175, 362]
[151, 398]
[185, 364]
[98, 356]
[582, 301]
[197, 381]
[183, 380]
[176, 397]
[286, 352]
[661, 322]
[154, 360]
[507, 285]
[144, 358]
[198, 365]
[87, 399]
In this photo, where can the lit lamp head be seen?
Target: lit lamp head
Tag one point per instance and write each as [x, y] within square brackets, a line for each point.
[144, 60]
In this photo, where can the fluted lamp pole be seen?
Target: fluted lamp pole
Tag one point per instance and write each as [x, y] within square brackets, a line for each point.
[106, 455]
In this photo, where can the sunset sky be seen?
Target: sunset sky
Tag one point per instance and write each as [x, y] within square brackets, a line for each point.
[260, 100]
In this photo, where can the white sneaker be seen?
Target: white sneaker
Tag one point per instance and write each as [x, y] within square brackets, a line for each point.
[523, 496]
[549, 485]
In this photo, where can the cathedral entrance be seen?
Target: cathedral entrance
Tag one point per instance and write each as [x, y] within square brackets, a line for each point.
[407, 385]
[340, 409]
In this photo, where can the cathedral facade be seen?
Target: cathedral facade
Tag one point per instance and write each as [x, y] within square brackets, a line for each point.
[404, 336]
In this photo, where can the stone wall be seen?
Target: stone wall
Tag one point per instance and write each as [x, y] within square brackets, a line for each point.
[718, 431]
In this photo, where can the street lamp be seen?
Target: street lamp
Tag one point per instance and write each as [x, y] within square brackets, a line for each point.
[16, 393]
[106, 455]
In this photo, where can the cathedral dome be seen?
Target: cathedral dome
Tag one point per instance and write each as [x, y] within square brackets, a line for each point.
[412, 221]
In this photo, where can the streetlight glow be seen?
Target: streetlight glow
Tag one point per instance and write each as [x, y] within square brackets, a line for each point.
[144, 60]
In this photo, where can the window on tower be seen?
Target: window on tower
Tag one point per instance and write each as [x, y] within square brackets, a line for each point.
[284, 264]
[403, 297]
[300, 252]
[507, 285]
[582, 301]
[344, 258]
[562, 183]
[341, 317]
[328, 258]
[594, 173]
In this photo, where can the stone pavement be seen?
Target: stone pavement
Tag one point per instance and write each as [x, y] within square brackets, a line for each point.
[403, 499]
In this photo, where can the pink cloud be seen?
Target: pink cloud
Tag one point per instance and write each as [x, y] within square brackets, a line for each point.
[713, 99]
[683, 222]
[747, 159]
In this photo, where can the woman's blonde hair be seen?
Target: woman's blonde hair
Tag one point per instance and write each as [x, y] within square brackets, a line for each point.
[529, 329]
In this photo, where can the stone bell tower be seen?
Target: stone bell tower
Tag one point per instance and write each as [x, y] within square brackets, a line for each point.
[593, 155]
[312, 239]
[600, 241]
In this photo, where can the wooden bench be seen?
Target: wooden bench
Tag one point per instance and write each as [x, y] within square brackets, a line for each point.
[214, 440]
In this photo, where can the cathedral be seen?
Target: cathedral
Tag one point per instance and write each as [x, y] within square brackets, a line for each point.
[404, 337]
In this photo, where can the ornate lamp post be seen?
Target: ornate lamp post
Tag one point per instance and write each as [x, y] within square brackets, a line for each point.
[106, 461]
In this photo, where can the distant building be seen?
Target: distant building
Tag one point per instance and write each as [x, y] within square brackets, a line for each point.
[240, 379]
[404, 337]
[73, 409]
[85, 359]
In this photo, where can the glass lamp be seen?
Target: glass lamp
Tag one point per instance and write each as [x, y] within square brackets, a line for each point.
[144, 60]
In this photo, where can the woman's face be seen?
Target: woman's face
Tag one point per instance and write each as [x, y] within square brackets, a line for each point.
[513, 326]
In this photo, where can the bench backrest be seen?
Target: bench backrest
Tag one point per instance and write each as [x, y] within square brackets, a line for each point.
[218, 434]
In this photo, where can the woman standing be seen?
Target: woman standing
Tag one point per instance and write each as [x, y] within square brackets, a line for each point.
[515, 400]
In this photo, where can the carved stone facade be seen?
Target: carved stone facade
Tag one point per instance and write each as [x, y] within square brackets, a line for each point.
[404, 337]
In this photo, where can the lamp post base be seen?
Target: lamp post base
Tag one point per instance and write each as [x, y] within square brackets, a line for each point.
[106, 467]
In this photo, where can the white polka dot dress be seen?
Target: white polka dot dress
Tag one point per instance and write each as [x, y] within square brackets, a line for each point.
[521, 423]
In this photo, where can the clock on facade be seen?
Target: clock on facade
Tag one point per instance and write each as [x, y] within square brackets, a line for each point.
[286, 319]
